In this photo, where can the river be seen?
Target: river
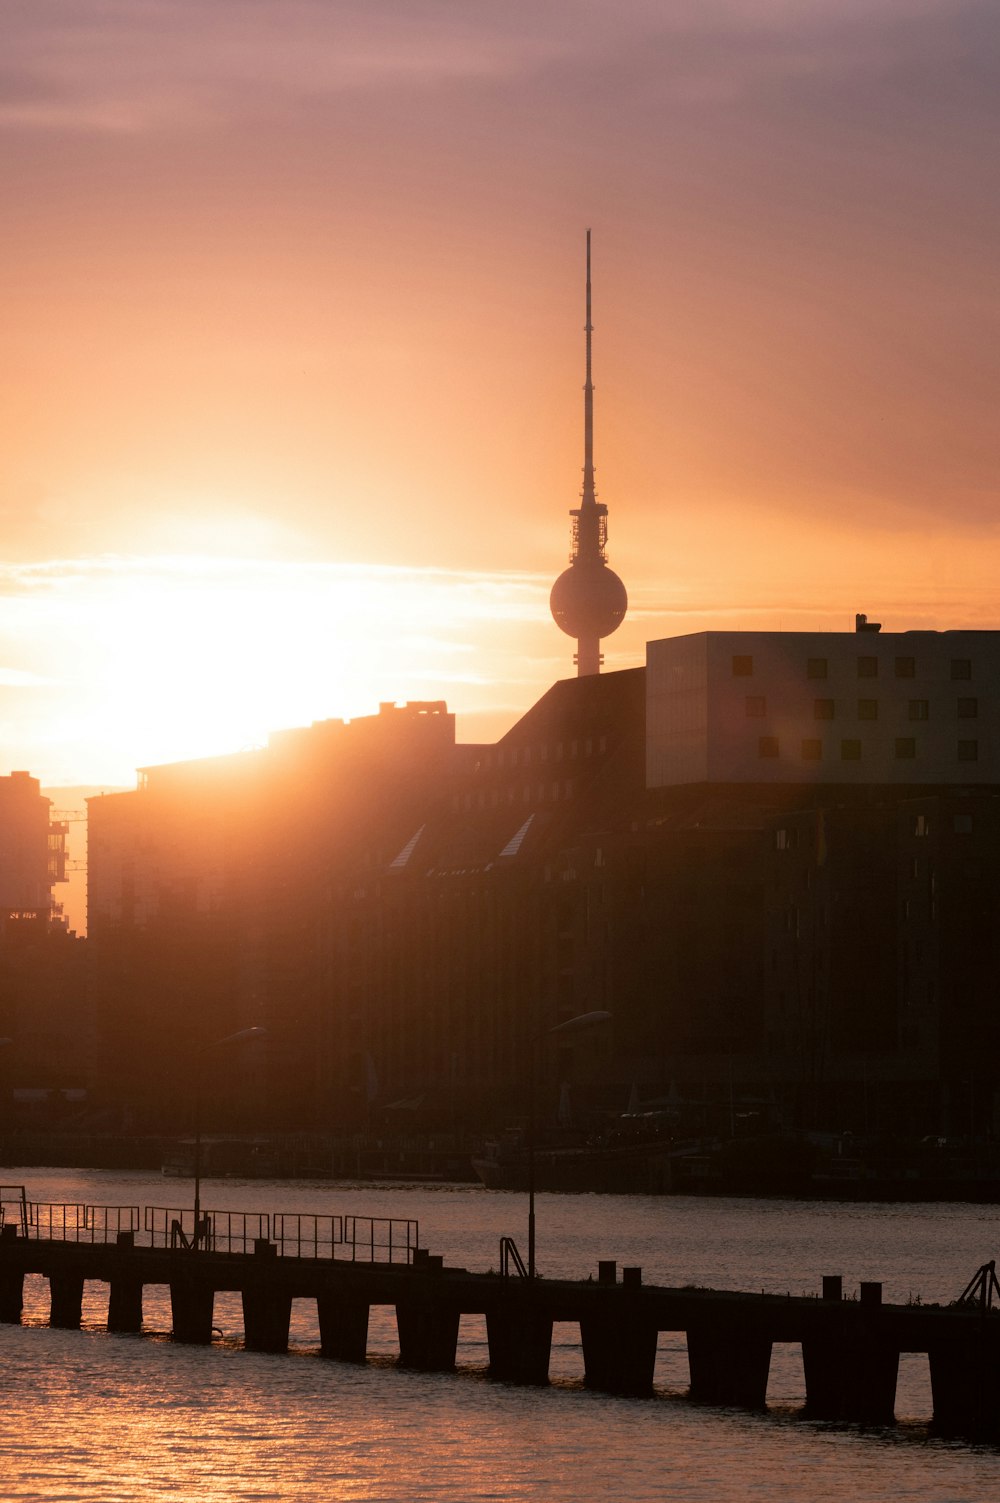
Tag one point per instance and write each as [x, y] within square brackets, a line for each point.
[90, 1416]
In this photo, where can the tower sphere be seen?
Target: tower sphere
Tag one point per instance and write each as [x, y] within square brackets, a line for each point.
[588, 599]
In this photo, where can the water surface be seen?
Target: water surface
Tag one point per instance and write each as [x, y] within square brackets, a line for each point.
[119, 1418]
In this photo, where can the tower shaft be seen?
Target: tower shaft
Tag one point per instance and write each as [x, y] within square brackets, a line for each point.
[588, 599]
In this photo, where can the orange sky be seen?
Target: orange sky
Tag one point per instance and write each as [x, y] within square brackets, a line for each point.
[291, 367]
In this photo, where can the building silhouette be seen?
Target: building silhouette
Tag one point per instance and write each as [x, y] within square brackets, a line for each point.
[46, 1058]
[32, 852]
[805, 940]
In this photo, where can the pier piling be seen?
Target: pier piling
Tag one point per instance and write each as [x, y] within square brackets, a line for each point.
[66, 1293]
[192, 1305]
[619, 1351]
[520, 1342]
[428, 1334]
[343, 1327]
[11, 1295]
[850, 1374]
[125, 1305]
[728, 1365]
[267, 1314]
[965, 1386]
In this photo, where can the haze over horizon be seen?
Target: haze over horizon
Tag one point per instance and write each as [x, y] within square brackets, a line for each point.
[293, 356]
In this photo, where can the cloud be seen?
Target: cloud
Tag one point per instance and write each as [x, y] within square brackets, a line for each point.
[128, 65]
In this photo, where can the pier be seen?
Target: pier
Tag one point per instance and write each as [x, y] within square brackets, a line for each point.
[850, 1346]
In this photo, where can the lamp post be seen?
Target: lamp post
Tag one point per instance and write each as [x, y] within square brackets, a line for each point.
[571, 1025]
[241, 1036]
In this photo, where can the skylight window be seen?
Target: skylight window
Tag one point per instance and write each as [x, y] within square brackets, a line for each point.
[516, 841]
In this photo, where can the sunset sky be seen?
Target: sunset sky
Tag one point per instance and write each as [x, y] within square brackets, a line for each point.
[291, 360]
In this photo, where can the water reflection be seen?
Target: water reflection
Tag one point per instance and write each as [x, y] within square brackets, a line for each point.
[88, 1416]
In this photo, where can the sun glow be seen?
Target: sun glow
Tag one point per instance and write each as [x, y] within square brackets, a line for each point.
[136, 661]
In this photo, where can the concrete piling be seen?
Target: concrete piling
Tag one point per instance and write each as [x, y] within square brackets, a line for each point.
[728, 1365]
[66, 1294]
[125, 1305]
[267, 1314]
[965, 1385]
[428, 1334]
[619, 1352]
[850, 1374]
[11, 1295]
[520, 1342]
[343, 1327]
[192, 1306]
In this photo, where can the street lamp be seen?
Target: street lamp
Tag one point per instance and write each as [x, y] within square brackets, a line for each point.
[242, 1035]
[571, 1025]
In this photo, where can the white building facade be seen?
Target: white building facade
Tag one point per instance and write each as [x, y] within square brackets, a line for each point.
[916, 707]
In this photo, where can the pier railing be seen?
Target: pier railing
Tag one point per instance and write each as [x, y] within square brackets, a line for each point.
[375, 1239]
[14, 1208]
[303, 1236]
[222, 1231]
[56, 1221]
[358, 1239]
[511, 1262]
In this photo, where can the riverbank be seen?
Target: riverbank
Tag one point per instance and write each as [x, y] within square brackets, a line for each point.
[797, 1166]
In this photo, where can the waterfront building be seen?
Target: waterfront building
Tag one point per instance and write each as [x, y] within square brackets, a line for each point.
[44, 1018]
[407, 915]
[32, 852]
[845, 708]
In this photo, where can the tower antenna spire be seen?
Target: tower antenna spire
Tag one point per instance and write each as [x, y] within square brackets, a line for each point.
[588, 600]
[589, 491]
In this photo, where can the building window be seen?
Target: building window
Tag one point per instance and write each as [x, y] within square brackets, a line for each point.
[906, 748]
[968, 751]
[822, 709]
[867, 667]
[784, 840]
[812, 749]
[767, 746]
[968, 709]
[850, 751]
[816, 668]
[742, 667]
[961, 667]
[906, 668]
[919, 709]
[962, 824]
[921, 824]
[867, 709]
[756, 706]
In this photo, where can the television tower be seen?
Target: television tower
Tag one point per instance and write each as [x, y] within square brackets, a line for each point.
[588, 600]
